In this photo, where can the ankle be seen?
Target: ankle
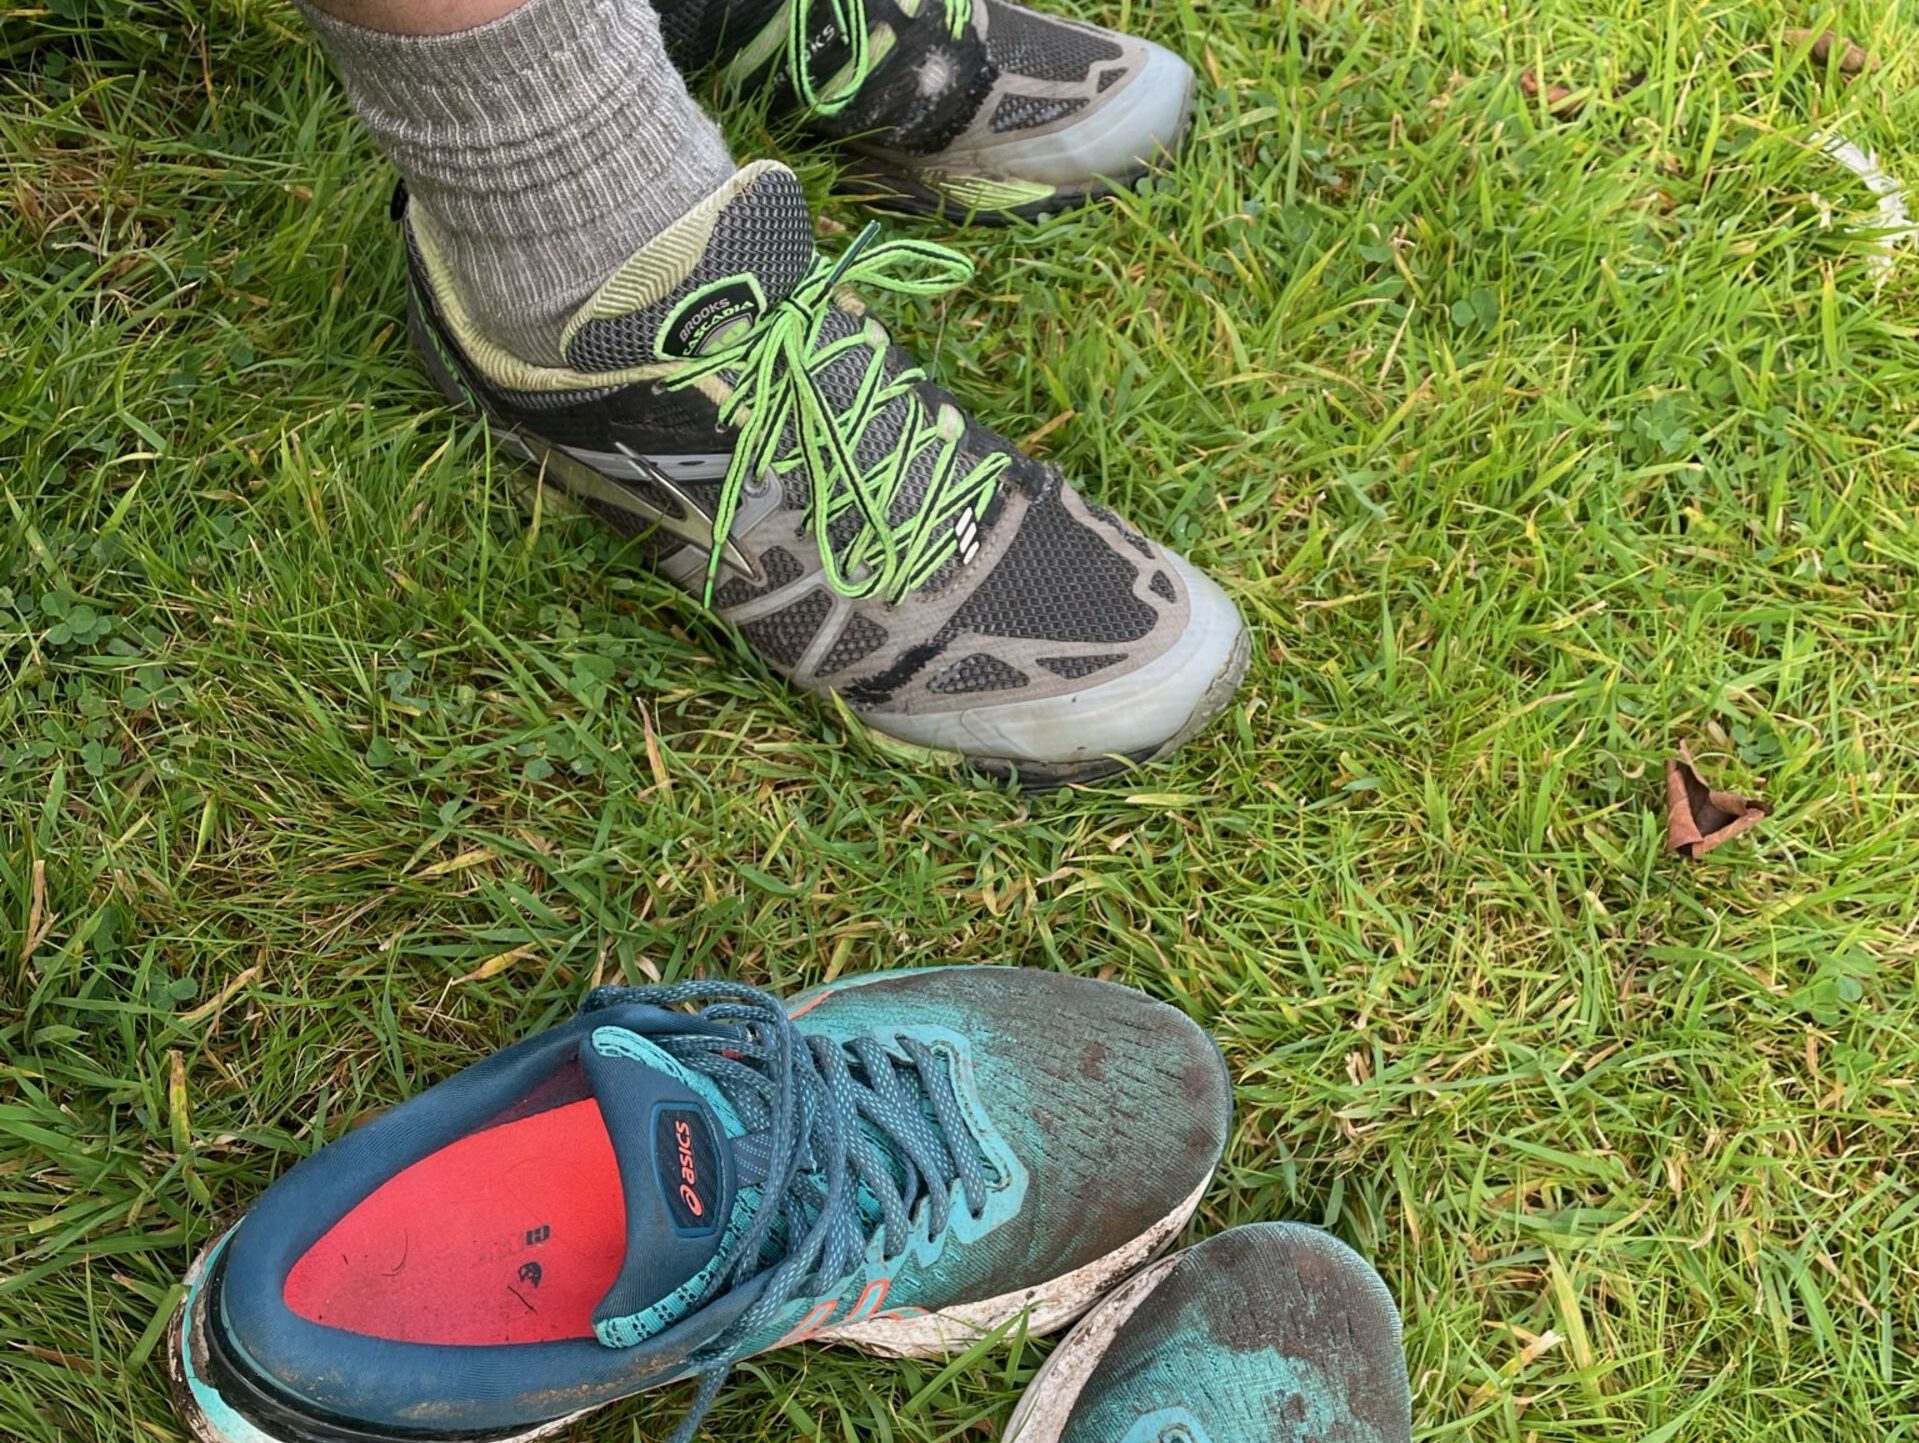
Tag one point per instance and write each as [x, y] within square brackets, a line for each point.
[546, 146]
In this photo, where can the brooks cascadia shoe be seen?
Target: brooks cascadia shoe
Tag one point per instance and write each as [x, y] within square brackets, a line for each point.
[900, 1162]
[1274, 1333]
[729, 405]
[958, 107]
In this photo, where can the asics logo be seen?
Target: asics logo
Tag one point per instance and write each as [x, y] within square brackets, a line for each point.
[689, 1175]
[687, 1164]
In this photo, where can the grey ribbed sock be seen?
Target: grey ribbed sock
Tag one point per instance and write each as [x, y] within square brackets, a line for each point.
[548, 145]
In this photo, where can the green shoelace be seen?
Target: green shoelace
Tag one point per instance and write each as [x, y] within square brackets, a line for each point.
[773, 367]
[820, 94]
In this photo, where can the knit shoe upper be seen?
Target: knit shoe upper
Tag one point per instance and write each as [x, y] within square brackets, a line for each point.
[967, 104]
[728, 402]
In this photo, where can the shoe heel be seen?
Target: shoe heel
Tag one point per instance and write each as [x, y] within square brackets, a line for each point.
[439, 366]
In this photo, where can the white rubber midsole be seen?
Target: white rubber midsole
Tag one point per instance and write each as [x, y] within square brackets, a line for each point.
[1140, 125]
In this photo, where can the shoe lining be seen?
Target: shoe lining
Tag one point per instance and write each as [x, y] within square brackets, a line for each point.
[509, 1235]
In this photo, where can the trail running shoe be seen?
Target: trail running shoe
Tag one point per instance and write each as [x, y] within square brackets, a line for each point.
[1273, 1333]
[900, 1162]
[958, 107]
[729, 405]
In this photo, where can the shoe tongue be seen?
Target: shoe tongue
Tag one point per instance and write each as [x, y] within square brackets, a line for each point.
[674, 1139]
[738, 252]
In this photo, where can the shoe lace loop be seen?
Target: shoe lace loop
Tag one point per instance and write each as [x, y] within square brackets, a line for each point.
[786, 420]
[806, 18]
[829, 1113]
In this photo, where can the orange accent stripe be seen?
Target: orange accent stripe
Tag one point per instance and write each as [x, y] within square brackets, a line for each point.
[879, 1287]
[808, 1007]
[810, 1324]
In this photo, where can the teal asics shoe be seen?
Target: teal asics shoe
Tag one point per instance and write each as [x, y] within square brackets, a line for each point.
[900, 1162]
[1273, 1333]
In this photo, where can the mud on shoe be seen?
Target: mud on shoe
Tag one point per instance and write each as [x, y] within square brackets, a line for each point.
[730, 405]
[1272, 1333]
[967, 108]
[899, 1162]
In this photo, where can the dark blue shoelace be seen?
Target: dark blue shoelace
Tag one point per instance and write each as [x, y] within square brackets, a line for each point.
[847, 1145]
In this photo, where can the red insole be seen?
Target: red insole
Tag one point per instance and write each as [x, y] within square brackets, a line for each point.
[511, 1235]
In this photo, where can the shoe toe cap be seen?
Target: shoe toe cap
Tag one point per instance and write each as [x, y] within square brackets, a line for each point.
[1117, 1104]
[1136, 123]
[1140, 715]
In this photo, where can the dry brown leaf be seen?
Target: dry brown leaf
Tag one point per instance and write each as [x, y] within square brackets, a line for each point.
[1852, 57]
[65, 1360]
[1556, 95]
[654, 761]
[178, 1116]
[214, 1004]
[1698, 817]
[1033, 438]
[470, 858]
[40, 922]
[1536, 1347]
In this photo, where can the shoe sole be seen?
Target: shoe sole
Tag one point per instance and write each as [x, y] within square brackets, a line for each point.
[1048, 1401]
[1046, 1307]
[895, 190]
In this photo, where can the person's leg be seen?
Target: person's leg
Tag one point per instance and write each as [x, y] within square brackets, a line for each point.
[548, 140]
[418, 17]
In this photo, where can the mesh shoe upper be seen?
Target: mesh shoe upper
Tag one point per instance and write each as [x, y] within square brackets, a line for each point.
[1137, 1080]
[876, 541]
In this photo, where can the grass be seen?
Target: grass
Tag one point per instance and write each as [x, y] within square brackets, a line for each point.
[1530, 446]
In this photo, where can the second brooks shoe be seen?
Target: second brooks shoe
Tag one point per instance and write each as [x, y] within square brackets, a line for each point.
[729, 404]
[967, 108]
[900, 1162]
